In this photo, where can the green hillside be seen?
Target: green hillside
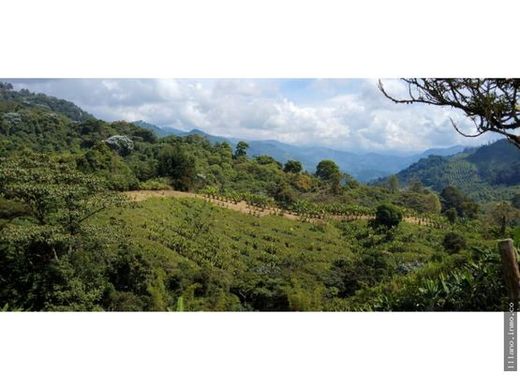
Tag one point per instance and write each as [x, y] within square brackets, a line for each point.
[218, 259]
[71, 238]
[487, 173]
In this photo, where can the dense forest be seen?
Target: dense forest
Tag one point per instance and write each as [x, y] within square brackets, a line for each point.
[72, 237]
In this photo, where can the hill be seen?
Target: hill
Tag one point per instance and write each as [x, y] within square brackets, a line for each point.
[11, 98]
[490, 172]
[72, 239]
[363, 166]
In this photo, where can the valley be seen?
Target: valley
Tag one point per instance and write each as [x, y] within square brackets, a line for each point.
[113, 216]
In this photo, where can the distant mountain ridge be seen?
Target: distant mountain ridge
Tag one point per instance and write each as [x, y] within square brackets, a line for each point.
[364, 167]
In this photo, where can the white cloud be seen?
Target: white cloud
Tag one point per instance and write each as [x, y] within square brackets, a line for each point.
[345, 114]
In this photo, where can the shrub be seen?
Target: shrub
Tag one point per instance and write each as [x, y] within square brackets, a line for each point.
[454, 242]
[388, 216]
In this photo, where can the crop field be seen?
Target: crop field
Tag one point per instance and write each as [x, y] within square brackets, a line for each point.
[214, 258]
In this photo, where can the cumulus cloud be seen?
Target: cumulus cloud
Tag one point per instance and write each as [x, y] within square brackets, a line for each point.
[348, 114]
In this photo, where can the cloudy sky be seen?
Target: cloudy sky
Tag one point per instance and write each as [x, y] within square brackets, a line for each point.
[347, 114]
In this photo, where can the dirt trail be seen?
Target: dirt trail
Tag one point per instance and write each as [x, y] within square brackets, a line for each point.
[243, 207]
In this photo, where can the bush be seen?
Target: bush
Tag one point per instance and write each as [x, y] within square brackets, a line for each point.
[454, 242]
[388, 216]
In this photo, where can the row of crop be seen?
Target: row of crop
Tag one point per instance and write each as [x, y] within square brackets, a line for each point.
[256, 200]
[308, 210]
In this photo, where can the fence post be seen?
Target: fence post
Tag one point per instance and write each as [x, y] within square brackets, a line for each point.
[510, 267]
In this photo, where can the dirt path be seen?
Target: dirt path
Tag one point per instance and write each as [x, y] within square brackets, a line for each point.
[243, 207]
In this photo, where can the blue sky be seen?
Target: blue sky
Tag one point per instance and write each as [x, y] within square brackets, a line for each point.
[346, 114]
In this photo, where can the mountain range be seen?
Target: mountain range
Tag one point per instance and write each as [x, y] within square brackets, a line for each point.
[363, 166]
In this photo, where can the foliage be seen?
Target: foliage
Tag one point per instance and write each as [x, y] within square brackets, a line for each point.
[241, 149]
[327, 170]
[178, 166]
[453, 242]
[453, 198]
[293, 166]
[69, 241]
[51, 257]
[487, 173]
[515, 201]
[492, 104]
[388, 216]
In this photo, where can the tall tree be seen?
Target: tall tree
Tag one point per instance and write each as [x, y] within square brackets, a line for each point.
[241, 149]
[180, 167]
[492, 104]
[328, 170]
[393, 183]
[453, 198]
[51, 256]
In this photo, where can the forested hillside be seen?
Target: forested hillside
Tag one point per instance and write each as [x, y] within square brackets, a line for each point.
[72, 239]
[487, 173]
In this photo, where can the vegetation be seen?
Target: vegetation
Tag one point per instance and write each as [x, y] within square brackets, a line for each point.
[71, 240]
[488, 173]
[388, 216]
[492, 104]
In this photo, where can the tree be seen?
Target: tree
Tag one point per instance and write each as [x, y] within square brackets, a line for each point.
[501, 216]
[422, 202]
[241, 149]
[388, 216]
[492, 104]
[453, 198]
[415, 185]
[53, 257]
[451, 214]
[267, 160]
[284, 194]
[350, 181]
[328, 170]
[293, 166]
[393, 183]
[178, 166]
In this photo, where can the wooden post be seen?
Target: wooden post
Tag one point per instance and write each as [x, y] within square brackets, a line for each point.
[510, 267]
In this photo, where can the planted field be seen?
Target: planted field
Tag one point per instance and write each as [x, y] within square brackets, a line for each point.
[213, 258]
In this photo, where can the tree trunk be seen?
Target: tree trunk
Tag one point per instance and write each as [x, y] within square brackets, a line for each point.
[510, 267]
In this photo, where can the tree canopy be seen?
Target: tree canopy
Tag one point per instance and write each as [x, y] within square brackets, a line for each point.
[293, 166]
[492, 104]
[241, 149]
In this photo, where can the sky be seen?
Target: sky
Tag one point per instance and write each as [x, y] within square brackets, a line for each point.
[344, 114]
